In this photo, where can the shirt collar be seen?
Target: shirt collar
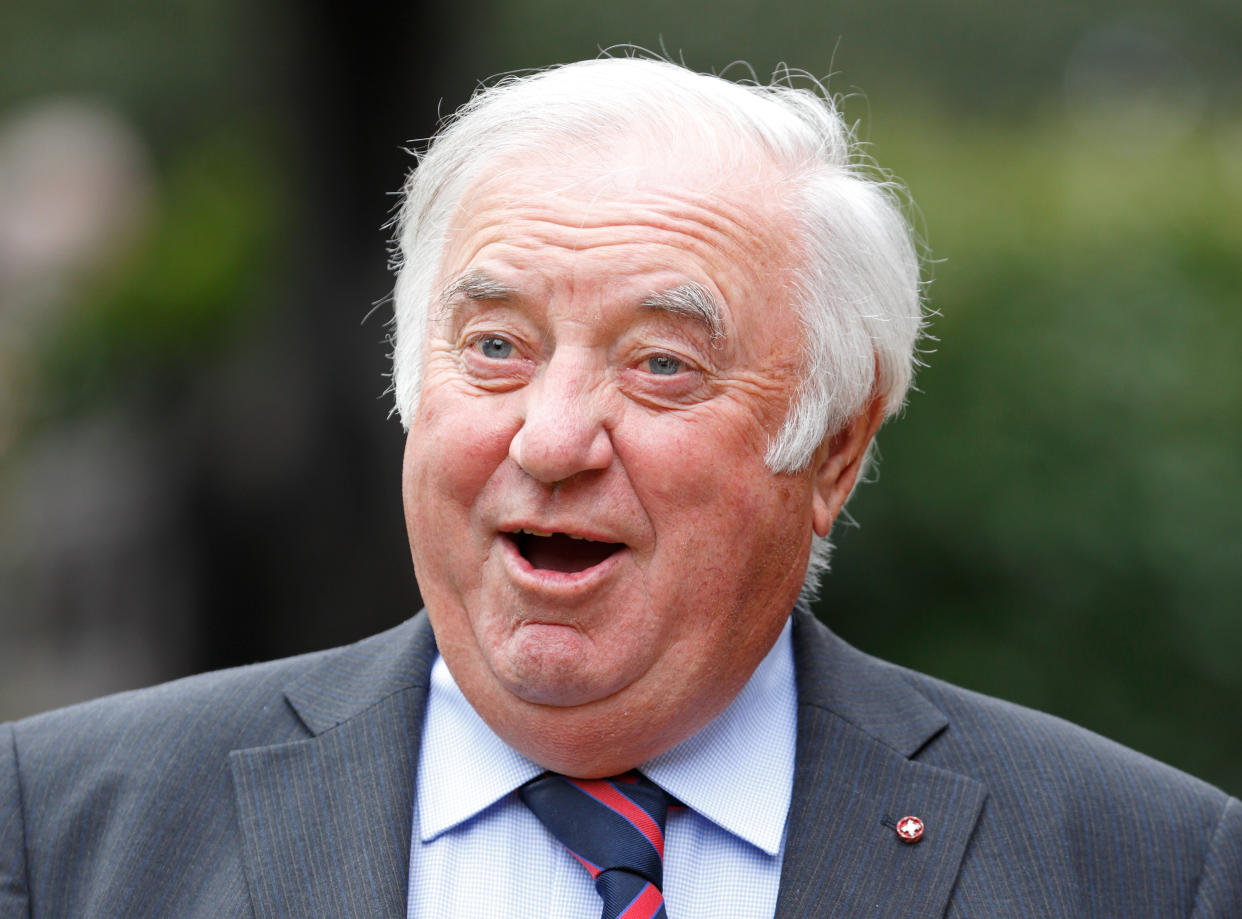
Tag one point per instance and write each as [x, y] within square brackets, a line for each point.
[737, 771]
[463, 767]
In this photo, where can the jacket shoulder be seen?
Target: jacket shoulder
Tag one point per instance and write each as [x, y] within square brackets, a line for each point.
[216, 705]
[1070, 824]
[1004, 743]
[258, 704]
[125, 805]
[1091, 822]
[106, 805]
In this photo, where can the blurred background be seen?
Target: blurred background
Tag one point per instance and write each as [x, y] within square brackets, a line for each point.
[197, 467]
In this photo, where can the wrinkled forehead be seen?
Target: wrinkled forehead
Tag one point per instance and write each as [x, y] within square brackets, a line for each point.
[737, 201]
[632, 208]
[661, 233]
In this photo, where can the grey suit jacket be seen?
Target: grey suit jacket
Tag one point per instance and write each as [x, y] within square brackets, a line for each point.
[285, 789]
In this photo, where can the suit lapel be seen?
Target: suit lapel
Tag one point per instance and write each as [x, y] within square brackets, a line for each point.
[859, 724]
[326, 820]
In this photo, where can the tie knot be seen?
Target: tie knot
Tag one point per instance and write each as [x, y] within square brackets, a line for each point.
[615, 828]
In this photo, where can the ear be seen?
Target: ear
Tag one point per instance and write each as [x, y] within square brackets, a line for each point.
[838, 461]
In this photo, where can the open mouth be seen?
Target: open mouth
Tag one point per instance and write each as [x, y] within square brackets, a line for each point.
[560, 551]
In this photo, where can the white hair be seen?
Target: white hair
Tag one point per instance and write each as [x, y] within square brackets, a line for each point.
[856, 288]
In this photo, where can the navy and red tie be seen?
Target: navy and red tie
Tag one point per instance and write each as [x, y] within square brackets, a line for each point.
[615, 827]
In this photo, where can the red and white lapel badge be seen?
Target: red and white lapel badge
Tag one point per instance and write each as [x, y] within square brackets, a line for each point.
[909, 829]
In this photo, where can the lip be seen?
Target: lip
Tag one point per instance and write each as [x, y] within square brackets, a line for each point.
[562, 585]
[572, 530]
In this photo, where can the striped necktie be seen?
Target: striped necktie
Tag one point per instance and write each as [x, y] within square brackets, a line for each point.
[615, 827]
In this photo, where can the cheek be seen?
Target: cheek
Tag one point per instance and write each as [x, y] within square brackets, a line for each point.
[697, 499]
[693, 463]
[725, 525]
[455, 446]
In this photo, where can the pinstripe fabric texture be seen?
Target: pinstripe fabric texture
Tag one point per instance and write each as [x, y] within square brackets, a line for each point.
[283, 789]
[1026, 815]
[286, 789]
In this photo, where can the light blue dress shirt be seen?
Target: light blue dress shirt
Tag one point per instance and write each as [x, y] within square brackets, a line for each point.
[476, 850]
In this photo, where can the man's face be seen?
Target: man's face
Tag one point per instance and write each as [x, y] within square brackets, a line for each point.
[604, 555]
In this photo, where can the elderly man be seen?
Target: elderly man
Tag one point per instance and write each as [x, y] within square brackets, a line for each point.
[647, 324]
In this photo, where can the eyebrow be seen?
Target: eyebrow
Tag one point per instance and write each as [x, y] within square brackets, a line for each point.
[694, 301]
[475, 285]
[690, 299]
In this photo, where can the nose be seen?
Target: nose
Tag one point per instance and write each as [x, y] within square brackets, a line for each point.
[563, 432]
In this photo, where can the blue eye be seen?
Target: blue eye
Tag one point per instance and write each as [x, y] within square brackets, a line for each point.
[663, 365]
[495, 348]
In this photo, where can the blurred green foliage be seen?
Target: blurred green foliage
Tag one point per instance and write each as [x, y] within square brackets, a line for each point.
[201, 274]
[188, 77]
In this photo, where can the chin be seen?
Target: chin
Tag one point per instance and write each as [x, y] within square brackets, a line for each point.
[558, 676]
[561, 688]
